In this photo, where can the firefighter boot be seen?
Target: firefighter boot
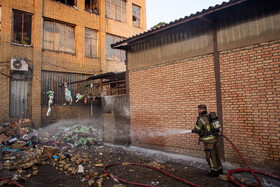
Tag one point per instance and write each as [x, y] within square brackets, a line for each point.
[213, 173]
[220, 171]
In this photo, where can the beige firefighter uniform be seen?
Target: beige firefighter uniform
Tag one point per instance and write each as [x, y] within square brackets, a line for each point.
[204, 128]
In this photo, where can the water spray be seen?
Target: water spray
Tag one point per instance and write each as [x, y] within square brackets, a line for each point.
[253, 172]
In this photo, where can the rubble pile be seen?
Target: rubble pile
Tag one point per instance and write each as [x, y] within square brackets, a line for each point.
[77, 135]
[24, 150]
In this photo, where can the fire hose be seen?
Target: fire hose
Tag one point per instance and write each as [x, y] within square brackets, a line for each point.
[180, 179]
[12, 182]
[246, 170]
[253, 172]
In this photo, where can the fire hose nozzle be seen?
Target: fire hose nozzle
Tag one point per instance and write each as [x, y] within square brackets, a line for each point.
[195, 131]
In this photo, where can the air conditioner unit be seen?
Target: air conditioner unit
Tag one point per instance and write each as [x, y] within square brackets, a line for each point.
[19, 64]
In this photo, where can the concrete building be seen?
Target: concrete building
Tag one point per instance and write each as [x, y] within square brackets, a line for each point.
[44, 43]
[227, 57]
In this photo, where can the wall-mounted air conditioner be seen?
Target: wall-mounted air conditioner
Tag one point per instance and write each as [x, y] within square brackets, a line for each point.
[19, 64]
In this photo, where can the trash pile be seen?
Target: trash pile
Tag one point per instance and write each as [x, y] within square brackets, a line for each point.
[24, 149]
[11, 132]
[73, 136]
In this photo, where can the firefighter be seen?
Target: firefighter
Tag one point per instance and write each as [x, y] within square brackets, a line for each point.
[205, 130]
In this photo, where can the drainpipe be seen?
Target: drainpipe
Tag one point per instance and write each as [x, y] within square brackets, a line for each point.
[217, 79]
[129, 142]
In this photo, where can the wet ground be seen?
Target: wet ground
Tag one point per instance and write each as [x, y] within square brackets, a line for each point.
[188, 168]
[50, 175]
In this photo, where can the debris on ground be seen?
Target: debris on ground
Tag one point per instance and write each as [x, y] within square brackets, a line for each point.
[76, 156]
[24, 150]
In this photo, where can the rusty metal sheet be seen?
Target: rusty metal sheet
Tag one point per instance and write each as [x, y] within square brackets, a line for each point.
[18, 98]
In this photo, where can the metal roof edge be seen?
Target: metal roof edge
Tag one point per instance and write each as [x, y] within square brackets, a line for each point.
[202, 13]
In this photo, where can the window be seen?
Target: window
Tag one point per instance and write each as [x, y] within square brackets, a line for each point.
[116, 9]
[92, 6]
[90, 43]
[136, 16]
[21, 27]
[59, 37]
[67, 2]
[114, 54]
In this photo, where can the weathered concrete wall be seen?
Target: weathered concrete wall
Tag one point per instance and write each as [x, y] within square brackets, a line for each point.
[115, 116]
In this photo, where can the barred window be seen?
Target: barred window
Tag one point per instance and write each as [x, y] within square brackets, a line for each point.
[51, 82]
[116, 9]
[21, 27]
[114, 54]
[59, 37]
[90, 43]
[136, 16]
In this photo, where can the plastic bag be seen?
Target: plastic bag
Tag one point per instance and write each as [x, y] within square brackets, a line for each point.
[68, 96]
[51, 97]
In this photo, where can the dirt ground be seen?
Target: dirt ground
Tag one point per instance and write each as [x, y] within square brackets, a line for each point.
[50, 175]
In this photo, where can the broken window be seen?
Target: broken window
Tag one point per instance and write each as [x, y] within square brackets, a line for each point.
[21, 27]
[116, 9]
[90, 43]
[67, 2]
[136, 16]
[114, 54]
[92, 6]
[59, 37]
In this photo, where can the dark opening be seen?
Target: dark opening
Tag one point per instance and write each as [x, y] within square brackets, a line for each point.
[91, 6]
[70, 2]
[67, 2]
[22, 28]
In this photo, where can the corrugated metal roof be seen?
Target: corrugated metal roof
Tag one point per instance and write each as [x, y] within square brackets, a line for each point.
[204, 12]
[109, 75]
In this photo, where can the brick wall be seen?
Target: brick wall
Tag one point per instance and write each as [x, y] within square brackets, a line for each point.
[65, 113]
[58, 61]
[166, 96]
[250, 80]
[5, 94]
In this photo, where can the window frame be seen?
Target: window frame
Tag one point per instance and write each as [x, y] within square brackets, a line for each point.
[22, 27]
[139, 14]
[108, 11]
[92, 10]
[65, 37]
[122, 53]
[92, 56]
